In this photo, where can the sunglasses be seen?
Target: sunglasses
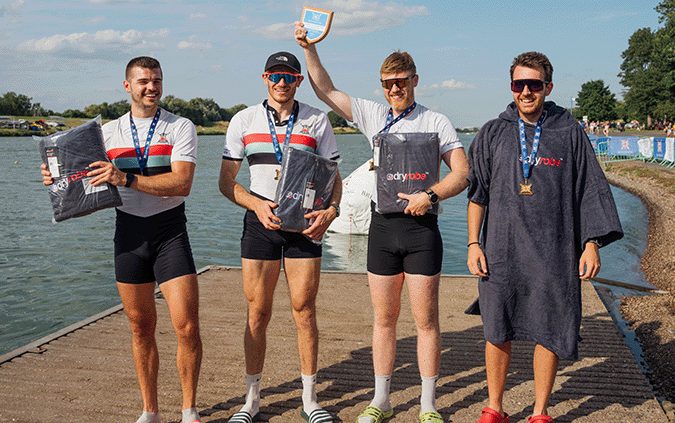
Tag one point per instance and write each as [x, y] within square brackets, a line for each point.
[275, 77]
[535, 85]
[400, 82]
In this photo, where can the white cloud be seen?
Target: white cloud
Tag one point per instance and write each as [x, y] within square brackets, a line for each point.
[197, 16]
[192, 44]
[12, 9]
[95, 20]
[279, 31]
[452, 85]
[88, 43]
[354, 17]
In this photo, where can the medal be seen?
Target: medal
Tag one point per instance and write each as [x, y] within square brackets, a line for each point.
[526, 189]
[273, 134]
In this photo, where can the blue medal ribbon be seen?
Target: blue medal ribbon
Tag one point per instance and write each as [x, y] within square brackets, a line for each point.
[390, 117]
[142, 156]
[273, 132]
[535, 144]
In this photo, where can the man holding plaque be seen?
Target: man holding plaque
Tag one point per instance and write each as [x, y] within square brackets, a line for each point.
[260, 134]
[405, 245]
[545, 207]
[153, 156]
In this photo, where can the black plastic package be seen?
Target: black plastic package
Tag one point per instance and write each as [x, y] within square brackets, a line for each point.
[68, 155]
[305, 185]
[407, 163]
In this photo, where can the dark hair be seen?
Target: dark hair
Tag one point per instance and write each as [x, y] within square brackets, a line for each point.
[397, 62]
[534, 60]
[142, 62]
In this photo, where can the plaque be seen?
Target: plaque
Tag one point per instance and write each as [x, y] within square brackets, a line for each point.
[317, 23]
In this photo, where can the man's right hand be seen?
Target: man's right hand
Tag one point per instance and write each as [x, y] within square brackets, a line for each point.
[476, 261]
[263, 209]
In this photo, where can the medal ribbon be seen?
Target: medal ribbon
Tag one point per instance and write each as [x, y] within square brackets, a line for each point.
[535, 144]
[273, 132]
[390, 117]
[142, 156]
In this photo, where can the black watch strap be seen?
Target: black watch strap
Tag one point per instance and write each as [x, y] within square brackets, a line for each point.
[130, 179]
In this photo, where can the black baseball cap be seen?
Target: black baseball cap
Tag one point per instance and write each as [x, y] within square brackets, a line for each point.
[283, 58]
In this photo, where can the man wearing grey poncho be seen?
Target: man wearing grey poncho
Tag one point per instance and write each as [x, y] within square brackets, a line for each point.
[544, 214]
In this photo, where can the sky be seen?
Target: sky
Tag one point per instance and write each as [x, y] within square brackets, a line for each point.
[71, 54]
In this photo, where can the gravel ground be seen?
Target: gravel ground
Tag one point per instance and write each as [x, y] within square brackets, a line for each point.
[653, 317]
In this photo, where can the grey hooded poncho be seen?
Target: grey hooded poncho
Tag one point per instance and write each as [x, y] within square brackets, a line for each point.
[533, 243]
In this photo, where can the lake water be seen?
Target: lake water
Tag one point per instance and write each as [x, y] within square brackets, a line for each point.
[54, 275]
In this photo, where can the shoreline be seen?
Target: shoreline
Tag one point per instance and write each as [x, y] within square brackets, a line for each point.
[652, 317]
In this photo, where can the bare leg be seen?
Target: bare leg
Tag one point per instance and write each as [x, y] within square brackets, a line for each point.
[385, 294]
[139, 305]
[182, 298]
[497, 362]
[545, 368]
[423, 292]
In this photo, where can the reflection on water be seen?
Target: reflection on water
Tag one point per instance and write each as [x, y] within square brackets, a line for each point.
[53, 275]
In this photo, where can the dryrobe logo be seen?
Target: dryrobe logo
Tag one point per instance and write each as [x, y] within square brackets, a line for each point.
[402, 177]
[297, 196]
[78, 175]
[544, 161]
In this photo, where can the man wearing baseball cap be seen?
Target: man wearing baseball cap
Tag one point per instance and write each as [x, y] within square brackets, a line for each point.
[260, 134]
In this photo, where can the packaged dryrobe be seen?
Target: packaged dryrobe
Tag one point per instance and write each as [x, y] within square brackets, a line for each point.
[68, 155]
[305, 184]
[407, 163]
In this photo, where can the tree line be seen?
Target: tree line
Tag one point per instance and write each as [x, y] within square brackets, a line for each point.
[201, 111]
[647, 73]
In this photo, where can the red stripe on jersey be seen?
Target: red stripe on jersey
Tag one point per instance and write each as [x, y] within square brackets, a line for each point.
[281, 138]
[155, 150]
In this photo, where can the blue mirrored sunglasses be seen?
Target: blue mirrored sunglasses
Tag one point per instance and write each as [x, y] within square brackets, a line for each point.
[275, 77]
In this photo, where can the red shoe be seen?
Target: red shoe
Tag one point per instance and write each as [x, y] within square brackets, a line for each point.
[542, 418]
[491, 416]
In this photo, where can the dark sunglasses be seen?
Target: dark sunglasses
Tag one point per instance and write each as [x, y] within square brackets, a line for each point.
[400, 82]
[535, 85]
[275, 77]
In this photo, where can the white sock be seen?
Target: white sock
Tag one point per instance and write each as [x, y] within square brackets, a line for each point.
[309, 400]
[428, 398]
[381, 398]
[148, 417]
[190, 415]
[252, 405]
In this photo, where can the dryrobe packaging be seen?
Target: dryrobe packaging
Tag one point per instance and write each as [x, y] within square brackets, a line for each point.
[305, 184]
[406, 162]
[68, 155]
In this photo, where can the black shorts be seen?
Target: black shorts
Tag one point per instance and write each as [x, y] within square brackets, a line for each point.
[154, 248]
[399, 242]
[259, 243]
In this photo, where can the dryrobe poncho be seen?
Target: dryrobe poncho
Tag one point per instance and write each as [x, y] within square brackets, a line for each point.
[533, 243]
[306, 184]
[68, 155]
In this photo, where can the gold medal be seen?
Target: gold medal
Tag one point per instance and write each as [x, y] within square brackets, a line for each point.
[525, 189]
[276, 177]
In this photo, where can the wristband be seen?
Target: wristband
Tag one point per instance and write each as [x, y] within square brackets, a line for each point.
[130, 179]
[471, 243]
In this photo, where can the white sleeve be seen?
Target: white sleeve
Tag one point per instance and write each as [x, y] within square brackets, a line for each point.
[185, 147]
[234, 139]
[448, 135]
[326, 145]
[369, 116]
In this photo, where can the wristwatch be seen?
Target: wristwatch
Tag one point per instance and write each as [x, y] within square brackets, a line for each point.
[433, 197]
[130, 179]
[336, 207]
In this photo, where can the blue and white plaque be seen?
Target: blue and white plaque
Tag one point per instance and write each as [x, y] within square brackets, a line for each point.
[317, 23]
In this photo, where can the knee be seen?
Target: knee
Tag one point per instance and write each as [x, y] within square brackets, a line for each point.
[188, 331]
[305, 315]
[259, 317]
[141, 324]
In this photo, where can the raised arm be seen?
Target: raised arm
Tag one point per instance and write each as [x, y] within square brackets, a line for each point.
[321, 83]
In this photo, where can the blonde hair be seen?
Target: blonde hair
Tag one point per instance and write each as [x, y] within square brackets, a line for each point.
[398, 62]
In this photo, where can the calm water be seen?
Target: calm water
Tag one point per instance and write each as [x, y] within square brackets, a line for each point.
[53, 275]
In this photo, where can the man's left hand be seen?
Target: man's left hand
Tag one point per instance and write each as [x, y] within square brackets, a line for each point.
[323, 219]
[589, 264]
[418, 204]
[106, 172]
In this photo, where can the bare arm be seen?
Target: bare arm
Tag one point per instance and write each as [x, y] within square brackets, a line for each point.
[178, 182]
[319, 78]
[236, 193]
[325, 217]
[475, 259]
[589, 263]
[452, 184]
